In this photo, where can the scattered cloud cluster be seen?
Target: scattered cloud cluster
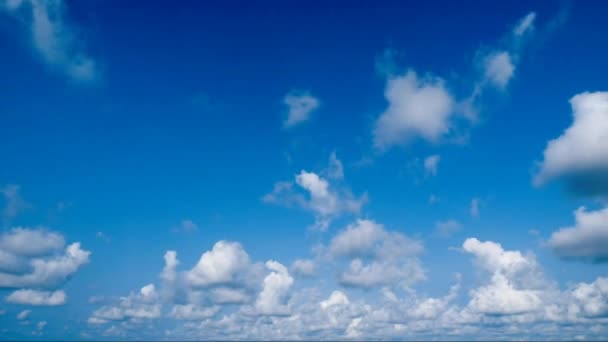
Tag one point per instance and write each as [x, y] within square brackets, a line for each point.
[35, 262]
[513, 298]
[425, 108]
[53, 37]
[311, 191]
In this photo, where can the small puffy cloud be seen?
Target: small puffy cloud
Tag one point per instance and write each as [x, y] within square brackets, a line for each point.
[31, 242]
[417, 108]
[53, 38]
[272, 298]
[499, 68]
[325, 200]
[500, 297]
[580, 155]
[40, 325]
[431, 163]
[23, 314]
[299, 107]
[304, 267]
[377, 257]
[474, 208]
[221, 265]
[336, 298]
[446, 228]
[335, 169]
[586, 240]
[169, 272]
[38, 298]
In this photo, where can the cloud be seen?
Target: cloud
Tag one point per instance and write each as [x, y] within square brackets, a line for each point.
[336, 298]
[579, 156]
[474, 208]
[586, 240]
[592, 298]
[36, 258]
[35, 297]
[53, 38]
[271, 300]
[191, 312]
[525, 25]
[431, 163]
[221, 265]
[185, 226]
[499, 68]
[23, 314]
[303, 267]
[447, 228]
[417, 108]
[299, 107]
[376, 257]
[136, 306]
[14, 204]
[326, 200]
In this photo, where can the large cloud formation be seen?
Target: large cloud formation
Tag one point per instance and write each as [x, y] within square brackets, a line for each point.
[580, 155]
[34, 261]
[586, 240]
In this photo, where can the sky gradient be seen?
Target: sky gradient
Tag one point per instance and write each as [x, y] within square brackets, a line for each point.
[290, 170]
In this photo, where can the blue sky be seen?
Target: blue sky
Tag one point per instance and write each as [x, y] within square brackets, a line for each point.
[290, 170]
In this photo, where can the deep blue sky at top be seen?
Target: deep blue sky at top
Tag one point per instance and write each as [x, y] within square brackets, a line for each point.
[185, 123]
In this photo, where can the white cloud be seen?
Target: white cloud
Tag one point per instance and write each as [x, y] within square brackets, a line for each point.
[185, 226]
[586, 240]
[499, 68]
[35, 297]
[191, 312]
[23, 314]
[299, 107]
[53, 38]
[377, 257]
[416, 108]
[580, 155]
[335, 169]
[592, 298]
[171, 262]
[304, 267]
[325, 200]
[336, 298]
[526, 24]
[431, 163]
[271, 300]
[220, 265]
[227, 295]
[136, 306]
[446, 228]
[36, 258]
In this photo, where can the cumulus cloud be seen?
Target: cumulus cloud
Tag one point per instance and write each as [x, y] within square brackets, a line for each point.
[221, 265]
[299, 107]
[499, 68]
[35, 297]
[192, 312]
[580, 155]
[417, 108]
[326, 200]
[36, 258]
[53, 37]
[271, 300]
[586, 240]
[23, 315]
[141, 305]
[376, 257]
[336, 298]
